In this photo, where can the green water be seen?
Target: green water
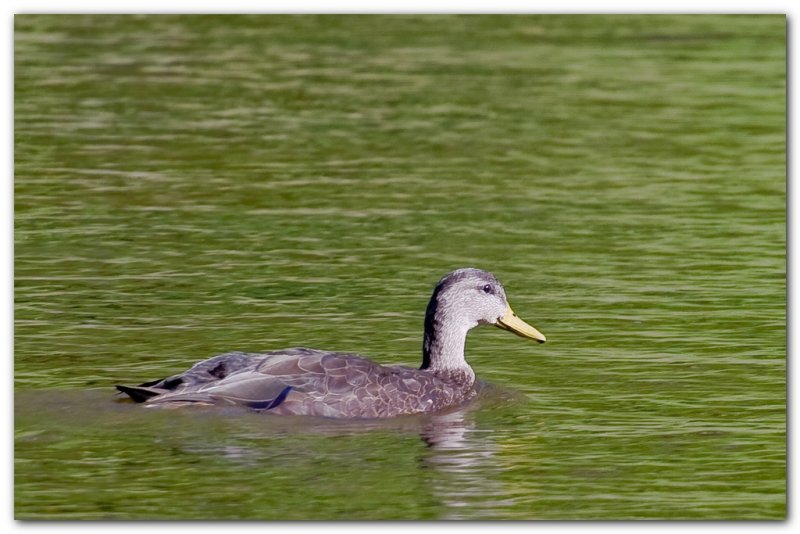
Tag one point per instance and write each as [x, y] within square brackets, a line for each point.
[186, 186]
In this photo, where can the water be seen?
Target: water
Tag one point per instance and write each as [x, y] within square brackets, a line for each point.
[186, 186]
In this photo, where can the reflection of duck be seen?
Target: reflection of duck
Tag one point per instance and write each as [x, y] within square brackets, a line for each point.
[304, 381]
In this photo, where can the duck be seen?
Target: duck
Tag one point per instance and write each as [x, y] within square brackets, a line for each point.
[304, 381]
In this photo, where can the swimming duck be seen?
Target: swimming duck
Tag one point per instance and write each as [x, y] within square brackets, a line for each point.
[301, 381]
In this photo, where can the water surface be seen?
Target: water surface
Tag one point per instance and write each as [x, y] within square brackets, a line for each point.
[186, 186]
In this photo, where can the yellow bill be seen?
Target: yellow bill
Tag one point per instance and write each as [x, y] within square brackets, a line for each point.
[509, 321]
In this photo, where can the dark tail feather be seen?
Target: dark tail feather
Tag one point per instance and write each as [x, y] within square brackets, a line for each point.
[138, 393]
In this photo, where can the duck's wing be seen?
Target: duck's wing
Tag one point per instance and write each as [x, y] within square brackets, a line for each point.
[210, 371]
[246, 388]
[259, 381]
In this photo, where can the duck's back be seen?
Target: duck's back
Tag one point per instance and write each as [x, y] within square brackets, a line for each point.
[304, 381]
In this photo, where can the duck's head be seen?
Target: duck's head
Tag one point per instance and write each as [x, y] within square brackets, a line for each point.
[470, 297]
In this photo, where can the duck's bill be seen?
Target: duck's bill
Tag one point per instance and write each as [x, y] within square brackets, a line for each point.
[509, 321]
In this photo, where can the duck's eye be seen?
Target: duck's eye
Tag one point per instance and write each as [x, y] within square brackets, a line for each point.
[487, 288]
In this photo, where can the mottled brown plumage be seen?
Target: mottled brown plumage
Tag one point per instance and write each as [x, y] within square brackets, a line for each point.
[301, 381]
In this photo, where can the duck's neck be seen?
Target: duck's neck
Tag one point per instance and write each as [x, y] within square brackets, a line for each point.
[443, 346]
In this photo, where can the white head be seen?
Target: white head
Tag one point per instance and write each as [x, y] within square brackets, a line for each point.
[462, 300]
